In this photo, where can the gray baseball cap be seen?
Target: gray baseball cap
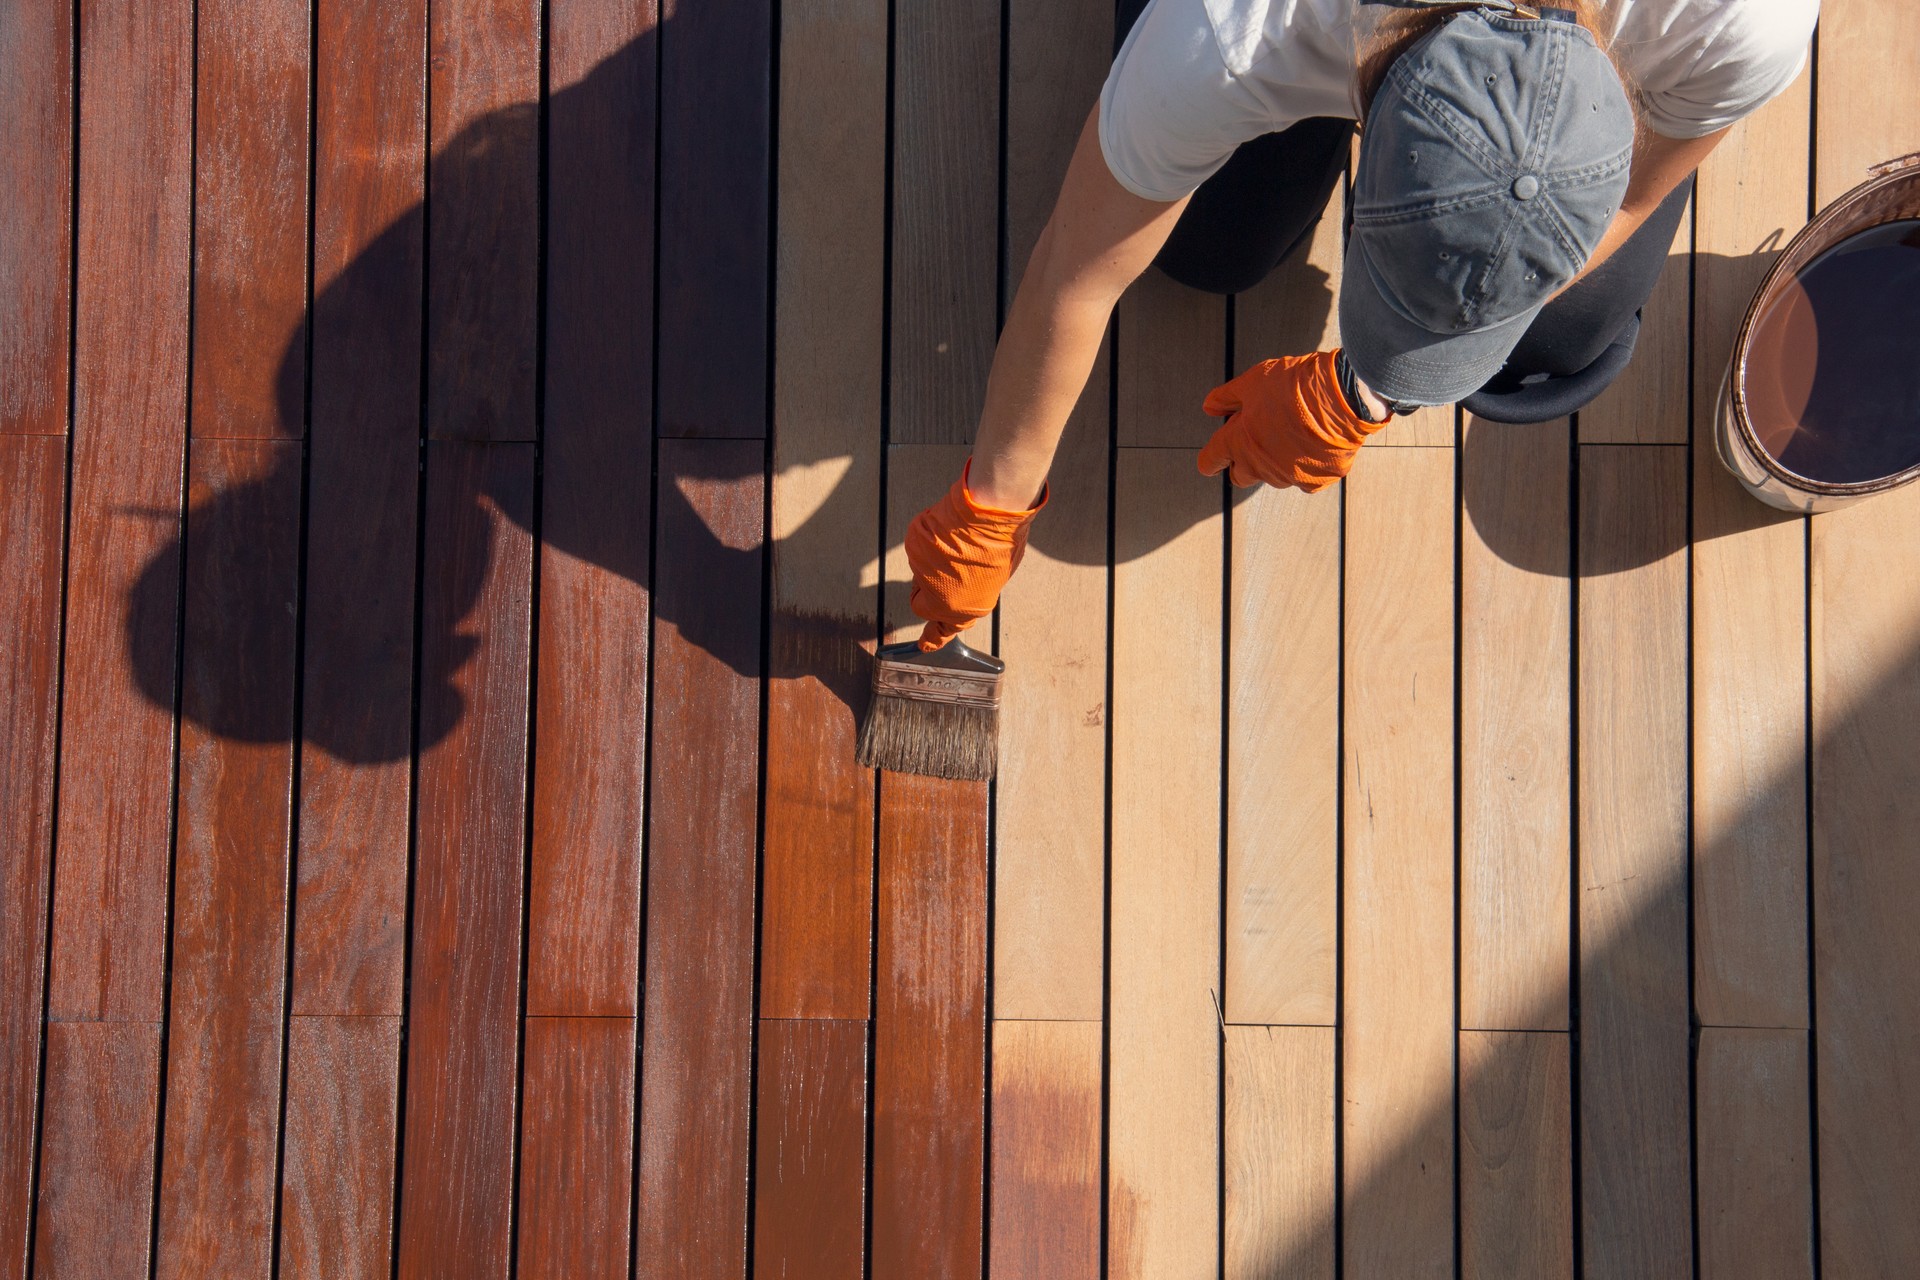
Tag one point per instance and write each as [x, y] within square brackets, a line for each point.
[1493, 158]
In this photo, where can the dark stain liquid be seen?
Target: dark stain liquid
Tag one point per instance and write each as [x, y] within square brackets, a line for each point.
[1832, 376]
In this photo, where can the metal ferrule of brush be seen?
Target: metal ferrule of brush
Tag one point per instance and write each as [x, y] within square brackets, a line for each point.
[953, 673]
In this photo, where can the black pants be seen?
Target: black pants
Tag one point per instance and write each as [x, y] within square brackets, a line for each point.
[1266, 200]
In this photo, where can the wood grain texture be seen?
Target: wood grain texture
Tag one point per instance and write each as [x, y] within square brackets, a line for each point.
[1169, 340]
[928, 1177]
[817, 896]
[1755, 1157]
[1433, 426]
[1163, 1187]
[33, 478]
[811, 1149]
[698, 1032]
[94, 1213]
[929, 1058]
[227, 985]
[252, 69]
[1283, 703]
[1045, 1171]
[116, 765]
[715, 136]
[1749, 616]
[1280, 1184]
[1866, 807]
[589, 787]
[36, 222]
[1647, 403]
[1516, 1155]
[470, 846]
[1049, 865]
[483, 60]
[945, 220]
[1516, 707]
[576, 1147]
[336, 1182]
[1397, 1045]
[1862, 56]
[1632, 756]
[363, 499]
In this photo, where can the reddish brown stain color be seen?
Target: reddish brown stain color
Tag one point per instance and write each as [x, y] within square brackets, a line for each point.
[576, 1148]
[810, 1161]
[336, 1198]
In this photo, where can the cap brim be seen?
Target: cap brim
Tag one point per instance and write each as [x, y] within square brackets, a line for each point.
[1401, 360]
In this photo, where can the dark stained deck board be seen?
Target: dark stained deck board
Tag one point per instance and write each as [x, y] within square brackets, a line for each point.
[102, 1093]
[576, 1148]
[589, 787]
[336, 1180]
[811, 1149]
[227, 983]
[33, 476]
[251, 65]
[463, 1000]
[483, 61]
[1634, 1109]
[929, 1056]
[112, 837]
[697, 1063]
[36, 218]
[816, 932]
[715, 199]
[945, 235]
[362, 510]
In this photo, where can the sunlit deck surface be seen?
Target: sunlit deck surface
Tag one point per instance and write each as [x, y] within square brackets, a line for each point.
[450, 458]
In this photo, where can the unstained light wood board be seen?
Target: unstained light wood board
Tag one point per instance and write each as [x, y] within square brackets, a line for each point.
[363, 487]
[1279, 1131]
[252, 65]
[810, 1149]
[817, 896]
[1049, 864]
[1283, 699]
[33, 478]
[36, 228]
[1632, 755]
[696, 1069]
[1754, 1154]
[1866, 808]
[483, 60]
[1164, 1046]
[1749, 615]
[576, 1147]
[1170, 345]
[113, 836]
[716, 130]
[1516, 1155]
[929, 1065]
[226, 991]
[1516, 717]
[336, 1177]
[463, 998]
[946, 136]
[1045, 1164]
[1397, 1042]
[1647, 403]
[589, 786]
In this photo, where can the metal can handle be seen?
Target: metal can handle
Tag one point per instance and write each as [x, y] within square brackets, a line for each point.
[1894, 165]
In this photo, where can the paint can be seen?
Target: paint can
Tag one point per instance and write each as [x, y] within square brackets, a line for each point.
[1820, 404]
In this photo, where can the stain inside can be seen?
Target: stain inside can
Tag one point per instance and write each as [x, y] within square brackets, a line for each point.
[1832, 375]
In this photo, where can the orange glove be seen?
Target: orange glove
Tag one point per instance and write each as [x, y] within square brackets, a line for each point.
[1288, 423]
[962, 555]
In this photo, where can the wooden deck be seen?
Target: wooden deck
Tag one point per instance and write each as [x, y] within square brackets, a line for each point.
[450, 458]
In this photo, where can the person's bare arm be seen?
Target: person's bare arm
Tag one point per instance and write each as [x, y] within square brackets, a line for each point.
[1659, 165]
[1098, 240]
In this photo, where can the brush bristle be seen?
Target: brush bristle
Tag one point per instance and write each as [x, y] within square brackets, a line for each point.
[934, 739]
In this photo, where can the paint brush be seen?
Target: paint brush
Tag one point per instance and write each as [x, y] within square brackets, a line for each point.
[934, 713]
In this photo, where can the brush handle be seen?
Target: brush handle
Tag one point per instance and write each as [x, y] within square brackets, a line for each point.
[954, 655]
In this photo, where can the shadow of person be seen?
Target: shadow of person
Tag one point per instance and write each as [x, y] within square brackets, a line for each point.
[365, 502]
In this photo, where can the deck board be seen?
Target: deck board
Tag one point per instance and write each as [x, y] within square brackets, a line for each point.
[444, 541]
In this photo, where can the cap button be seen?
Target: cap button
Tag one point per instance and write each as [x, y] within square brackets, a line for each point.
[1526, 187]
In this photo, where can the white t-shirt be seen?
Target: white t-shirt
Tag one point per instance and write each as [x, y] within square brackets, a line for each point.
[1196, 78]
